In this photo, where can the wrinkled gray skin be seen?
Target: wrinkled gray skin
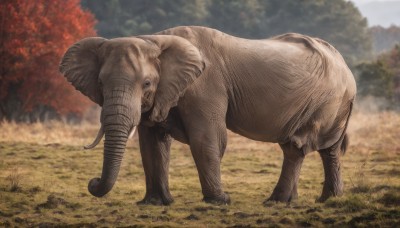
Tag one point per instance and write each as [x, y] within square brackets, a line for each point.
[192, 83]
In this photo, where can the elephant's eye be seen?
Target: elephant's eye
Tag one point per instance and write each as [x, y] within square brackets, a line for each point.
[146, 84]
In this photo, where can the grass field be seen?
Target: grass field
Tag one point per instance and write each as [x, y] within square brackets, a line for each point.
[44, 174]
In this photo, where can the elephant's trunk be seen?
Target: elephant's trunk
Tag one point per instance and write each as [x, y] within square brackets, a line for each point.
[120, 114]
[114, 147]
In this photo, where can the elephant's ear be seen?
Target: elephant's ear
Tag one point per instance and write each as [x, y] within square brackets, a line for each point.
[180, 64]
[81, 66]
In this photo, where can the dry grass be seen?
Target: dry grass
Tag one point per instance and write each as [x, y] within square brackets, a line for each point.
[47, 133]
[44, 173]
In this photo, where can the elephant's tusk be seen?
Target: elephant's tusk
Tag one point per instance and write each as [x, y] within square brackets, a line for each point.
[96, 140]
[132, 132]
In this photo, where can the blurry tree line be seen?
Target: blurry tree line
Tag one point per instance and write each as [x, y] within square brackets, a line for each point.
[381, 77]
[35, 34]
[384, 39]
[336, 21]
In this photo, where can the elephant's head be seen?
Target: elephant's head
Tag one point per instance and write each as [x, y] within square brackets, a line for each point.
[127, 77]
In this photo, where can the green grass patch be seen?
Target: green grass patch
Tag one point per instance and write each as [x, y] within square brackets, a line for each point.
[351, 203]
[45, 185]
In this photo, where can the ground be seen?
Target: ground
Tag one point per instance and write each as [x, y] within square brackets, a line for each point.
[44, 173]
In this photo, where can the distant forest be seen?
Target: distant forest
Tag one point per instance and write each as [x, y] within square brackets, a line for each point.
[336, 21]
[384, 39]
[370, 52]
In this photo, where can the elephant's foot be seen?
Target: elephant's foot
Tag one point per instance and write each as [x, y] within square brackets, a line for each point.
[222, 199]
[156, 199]
[282, 196]
[279, 198]
[294, 195]
[330, 191]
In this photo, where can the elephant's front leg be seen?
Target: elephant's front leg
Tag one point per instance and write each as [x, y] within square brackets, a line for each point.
[207, 149]
[286, 189]
[154, 148]
[206, 130]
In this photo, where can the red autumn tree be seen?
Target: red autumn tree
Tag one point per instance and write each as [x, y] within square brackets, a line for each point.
[33, 37]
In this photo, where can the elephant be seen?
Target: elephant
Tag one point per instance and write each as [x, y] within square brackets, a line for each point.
[192, 83]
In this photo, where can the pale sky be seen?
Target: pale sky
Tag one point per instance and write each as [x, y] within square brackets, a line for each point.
[380, 12]
[358, 2]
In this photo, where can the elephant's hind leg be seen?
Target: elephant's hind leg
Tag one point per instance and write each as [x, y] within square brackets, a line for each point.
[154, 148]
[333, 185]
[286, 188]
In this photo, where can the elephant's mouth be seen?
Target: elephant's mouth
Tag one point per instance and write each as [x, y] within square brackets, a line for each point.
[146, 106]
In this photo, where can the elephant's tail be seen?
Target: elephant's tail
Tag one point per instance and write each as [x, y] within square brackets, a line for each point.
[345, 137]
[345, 144]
